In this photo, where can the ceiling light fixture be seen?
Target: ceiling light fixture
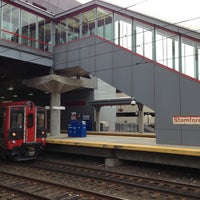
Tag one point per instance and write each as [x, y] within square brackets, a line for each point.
[10, 88]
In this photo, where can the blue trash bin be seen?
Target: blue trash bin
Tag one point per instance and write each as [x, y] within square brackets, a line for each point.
[77, 129]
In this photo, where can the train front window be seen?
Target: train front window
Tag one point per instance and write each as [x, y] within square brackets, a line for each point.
[41, 120]
[16, 117]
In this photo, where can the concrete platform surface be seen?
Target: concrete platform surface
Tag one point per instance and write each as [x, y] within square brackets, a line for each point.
[124, 143]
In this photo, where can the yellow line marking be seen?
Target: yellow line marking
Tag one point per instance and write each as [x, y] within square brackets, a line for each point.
[193, 151]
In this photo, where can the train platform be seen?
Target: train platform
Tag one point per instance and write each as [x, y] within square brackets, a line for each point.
[124, 146]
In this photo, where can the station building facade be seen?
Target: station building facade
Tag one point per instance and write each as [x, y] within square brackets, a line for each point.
[148, 59]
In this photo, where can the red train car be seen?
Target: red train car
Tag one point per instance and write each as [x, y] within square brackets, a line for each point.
[22, 130]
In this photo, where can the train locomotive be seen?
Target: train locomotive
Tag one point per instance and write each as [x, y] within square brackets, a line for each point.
[22, 130]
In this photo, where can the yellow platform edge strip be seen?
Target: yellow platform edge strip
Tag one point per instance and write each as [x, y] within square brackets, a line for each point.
[136, 147]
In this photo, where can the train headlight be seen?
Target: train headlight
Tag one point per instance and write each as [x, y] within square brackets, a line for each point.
[14, 134]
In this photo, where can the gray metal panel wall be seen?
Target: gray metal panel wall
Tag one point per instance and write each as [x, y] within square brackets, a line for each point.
[26, 54]
[164, 90]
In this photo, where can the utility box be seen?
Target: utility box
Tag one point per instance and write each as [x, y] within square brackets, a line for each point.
[76, 127]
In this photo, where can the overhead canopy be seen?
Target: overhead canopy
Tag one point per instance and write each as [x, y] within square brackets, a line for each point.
[54, 83]
[111, 102]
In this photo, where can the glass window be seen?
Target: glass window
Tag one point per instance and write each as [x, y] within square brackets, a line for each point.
[73, 28]
[167, 49]
[109, 26]
[15, 24]
[47, 36]
[198, 61]
[44, 42]
[61, 30]
[88, 22]
[41, 25]
[144, 40]
[28, 29]
[18, 25]
[6, 23]
[175, 55]
[17, 117]
[41, 119]
[123, 31]
[105, 23]
[188, 58]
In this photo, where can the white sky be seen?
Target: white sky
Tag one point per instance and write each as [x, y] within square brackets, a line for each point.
[173, 11]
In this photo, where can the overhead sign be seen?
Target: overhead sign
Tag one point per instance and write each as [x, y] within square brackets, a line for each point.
[186, 120]
[55, 107]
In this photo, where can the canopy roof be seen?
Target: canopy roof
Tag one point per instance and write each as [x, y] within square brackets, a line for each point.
[178, 12]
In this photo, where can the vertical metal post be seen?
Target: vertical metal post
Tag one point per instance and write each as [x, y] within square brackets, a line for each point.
[80, 26]
[37, 33]
[96, 22]
[180, 54]
[97, 109]
[133, 36]
[196, 62]
[154, 44]
[141, 118]
[173, 54]
[67, 32]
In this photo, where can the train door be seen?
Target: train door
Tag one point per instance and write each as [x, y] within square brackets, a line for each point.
[30, 133]
[2, 127]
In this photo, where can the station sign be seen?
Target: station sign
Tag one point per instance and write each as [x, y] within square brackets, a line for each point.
[55, 107]
[186, 120]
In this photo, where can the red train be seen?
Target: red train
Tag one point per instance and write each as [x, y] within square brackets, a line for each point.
[22, 130]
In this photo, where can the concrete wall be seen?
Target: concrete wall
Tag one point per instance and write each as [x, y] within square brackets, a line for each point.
[167, 92]
[76, 101]
[107, 113]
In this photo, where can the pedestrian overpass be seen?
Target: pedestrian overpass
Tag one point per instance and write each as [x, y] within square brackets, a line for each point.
[152, 61]
[147, 59]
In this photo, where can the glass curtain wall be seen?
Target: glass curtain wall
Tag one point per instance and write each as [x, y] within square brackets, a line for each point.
[163, 46]
[25, 28]
[170, 49]
[96, 21]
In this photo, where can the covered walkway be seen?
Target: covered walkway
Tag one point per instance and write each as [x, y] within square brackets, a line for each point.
[141, 56]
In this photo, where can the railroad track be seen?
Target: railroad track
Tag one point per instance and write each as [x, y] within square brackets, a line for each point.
[100, 182]
[15, 186]
[127, 182]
